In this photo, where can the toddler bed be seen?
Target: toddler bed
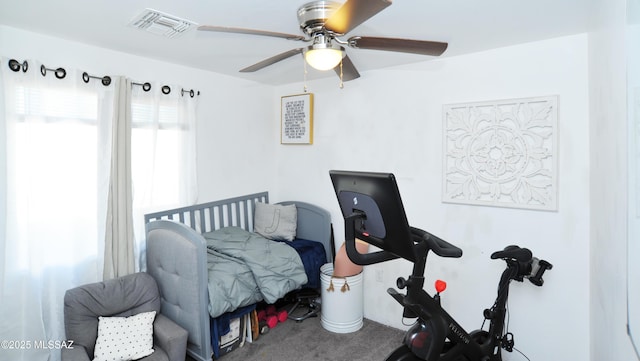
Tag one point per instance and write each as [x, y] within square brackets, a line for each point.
[192, 252]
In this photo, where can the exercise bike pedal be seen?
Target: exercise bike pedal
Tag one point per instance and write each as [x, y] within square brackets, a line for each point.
[508, 342]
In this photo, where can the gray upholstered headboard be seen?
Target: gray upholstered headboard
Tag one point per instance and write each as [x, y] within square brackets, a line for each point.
[176, 256]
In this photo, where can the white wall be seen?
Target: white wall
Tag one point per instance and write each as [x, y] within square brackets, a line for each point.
[229, 108]
[608, 193]
[633, 106]
[391, 120]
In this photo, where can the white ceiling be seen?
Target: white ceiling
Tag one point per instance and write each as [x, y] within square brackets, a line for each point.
[467, 25]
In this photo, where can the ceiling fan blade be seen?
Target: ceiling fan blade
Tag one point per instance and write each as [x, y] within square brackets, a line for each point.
[353, 13]
[271, 60]
[422, 47]
[349, 71]
[226, 29]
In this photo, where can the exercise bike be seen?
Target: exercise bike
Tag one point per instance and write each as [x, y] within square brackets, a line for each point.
[373, 212]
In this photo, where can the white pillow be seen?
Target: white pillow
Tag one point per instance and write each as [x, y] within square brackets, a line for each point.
[124, 338]
[276, 221]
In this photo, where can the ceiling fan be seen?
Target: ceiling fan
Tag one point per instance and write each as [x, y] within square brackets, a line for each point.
[323, 23]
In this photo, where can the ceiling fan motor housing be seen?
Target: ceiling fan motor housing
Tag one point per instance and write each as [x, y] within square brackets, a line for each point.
[313, 15]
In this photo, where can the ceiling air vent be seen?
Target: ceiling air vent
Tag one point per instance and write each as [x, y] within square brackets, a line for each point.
[159, 23]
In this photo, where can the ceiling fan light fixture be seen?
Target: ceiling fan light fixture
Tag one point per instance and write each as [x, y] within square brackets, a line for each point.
[323, 57]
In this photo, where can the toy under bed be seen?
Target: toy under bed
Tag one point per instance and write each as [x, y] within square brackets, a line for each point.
[177, 256]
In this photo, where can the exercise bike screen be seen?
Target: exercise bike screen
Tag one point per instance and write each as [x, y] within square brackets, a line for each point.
[376, 195]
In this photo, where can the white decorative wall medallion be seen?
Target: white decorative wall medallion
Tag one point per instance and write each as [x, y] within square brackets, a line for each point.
[502, 153]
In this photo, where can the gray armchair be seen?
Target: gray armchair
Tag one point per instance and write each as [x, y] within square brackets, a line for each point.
[121, 297]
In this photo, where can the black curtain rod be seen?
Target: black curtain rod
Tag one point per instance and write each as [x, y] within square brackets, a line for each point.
[145, 86]
[191, 92]
[106, 80]
[60, 73]
[16, 66]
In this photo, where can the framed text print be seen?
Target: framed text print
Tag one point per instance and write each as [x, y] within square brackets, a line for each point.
[296, 120]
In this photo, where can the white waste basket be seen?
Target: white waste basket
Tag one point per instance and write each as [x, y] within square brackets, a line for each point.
[342, 301]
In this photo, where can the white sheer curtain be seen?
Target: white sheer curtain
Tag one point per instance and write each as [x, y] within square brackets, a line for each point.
[55, 136]
[163, 153]
[119, 258]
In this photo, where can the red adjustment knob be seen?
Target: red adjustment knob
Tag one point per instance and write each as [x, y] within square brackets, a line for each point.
[441, 286]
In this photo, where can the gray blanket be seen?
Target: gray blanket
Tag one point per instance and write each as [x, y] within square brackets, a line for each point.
[245, 268]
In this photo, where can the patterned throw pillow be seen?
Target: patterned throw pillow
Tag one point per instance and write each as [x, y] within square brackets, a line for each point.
[124, 338]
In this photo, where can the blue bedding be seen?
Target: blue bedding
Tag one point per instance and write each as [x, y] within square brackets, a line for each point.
[313, 257]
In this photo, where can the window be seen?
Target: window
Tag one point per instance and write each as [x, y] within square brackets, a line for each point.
[162, 156]
[55, 137]
[156, 140]
[54, 176]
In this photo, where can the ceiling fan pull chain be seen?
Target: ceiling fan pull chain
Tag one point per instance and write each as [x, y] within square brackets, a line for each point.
[341, 82]
[305, 74]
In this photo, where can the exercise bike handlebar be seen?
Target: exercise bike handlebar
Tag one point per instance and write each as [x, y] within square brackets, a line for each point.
[439, 246]
[539, 267]
[430, 242]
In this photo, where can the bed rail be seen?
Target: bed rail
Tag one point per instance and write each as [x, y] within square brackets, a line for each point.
[206, 217]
